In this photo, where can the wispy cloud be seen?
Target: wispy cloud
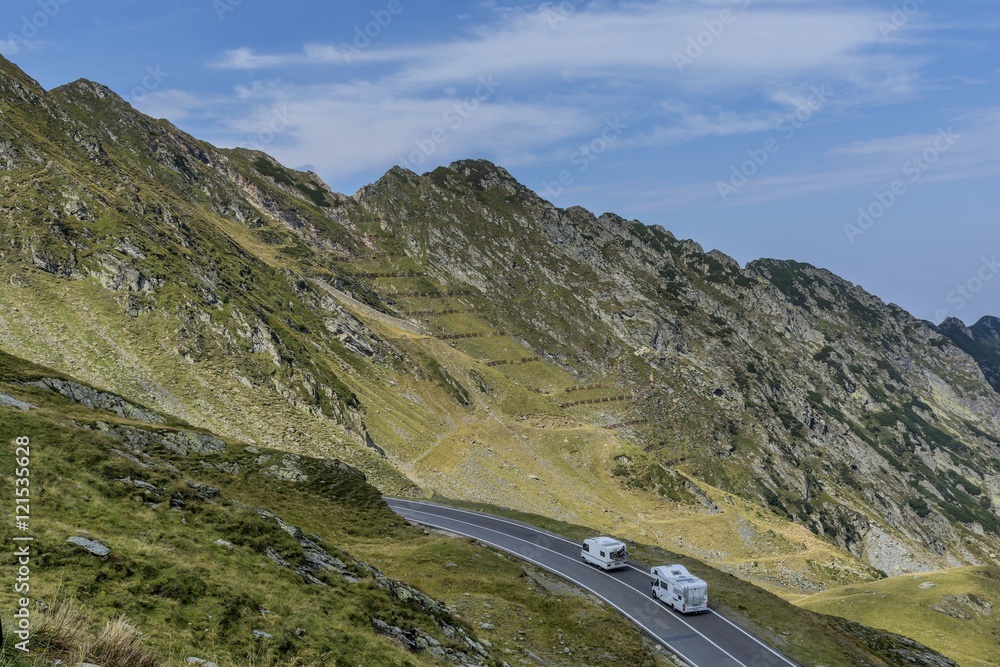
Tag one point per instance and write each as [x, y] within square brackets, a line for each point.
[573, 69]
[682, 122]
[768, 39]
[14, 44]
[563, 70]
[326, 122]
[861, 166]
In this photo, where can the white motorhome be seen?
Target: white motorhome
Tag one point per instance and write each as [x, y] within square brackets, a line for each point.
[605, 552]
[680, 589]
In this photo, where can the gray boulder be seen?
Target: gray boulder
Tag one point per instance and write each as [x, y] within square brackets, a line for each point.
[97, 400]
[9, 401]
[91, 546]
[200, 661]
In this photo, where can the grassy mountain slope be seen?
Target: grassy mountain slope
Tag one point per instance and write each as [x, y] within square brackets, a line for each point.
[244, 555]
[951, 611]
[452, 332]
[144, 244]
[210, 285]
[252, 556]
[778, 382]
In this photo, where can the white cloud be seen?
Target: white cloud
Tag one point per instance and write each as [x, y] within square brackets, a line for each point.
[14, 44]
[634, 42]
[972, 140]
[968, 147]
[245, 58]
[560, 74]
[344, 129]
[886, 147]
[690, 124]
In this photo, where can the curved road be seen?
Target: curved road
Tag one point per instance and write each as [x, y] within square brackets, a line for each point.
[702, 640]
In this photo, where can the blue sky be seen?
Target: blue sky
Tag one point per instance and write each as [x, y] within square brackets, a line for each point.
[862, 136]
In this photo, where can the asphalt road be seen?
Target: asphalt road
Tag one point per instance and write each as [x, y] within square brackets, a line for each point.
[702, 640]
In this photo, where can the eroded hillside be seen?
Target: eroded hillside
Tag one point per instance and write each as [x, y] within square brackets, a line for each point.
[452, 332]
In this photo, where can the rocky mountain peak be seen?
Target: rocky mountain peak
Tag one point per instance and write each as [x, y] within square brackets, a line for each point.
[953, 324]
[255, 290]
[9, 70]
[482, 172]
[981, 341]
[724, 259]
[87, 89]
[15, 83]
[480, 175]
[988, 326]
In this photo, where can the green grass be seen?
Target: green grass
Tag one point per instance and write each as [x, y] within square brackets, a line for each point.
[190, 596]
[900, 604]
[523, 608]
[165, 572]
[235, 341]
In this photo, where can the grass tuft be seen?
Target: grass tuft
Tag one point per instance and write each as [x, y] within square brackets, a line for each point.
[66, 633]
[63, 630]
[120, 644]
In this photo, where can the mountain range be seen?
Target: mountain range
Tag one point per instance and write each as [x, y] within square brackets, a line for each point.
[453, 333]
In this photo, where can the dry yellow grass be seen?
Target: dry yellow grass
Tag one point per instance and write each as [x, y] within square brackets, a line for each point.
[119, 644]
[955, 612]
[67, 633]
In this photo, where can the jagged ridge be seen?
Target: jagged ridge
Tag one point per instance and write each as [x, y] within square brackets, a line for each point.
[777, 382]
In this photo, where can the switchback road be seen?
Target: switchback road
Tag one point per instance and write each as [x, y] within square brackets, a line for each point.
[702, 640]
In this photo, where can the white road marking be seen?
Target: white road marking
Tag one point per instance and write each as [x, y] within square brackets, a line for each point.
[598, 571]
[786, 660]
[571, 542]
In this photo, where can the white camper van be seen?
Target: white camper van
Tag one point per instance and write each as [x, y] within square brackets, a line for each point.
[680, 589]
[604, 552]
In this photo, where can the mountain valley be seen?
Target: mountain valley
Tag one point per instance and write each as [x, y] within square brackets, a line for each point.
[453, 335]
